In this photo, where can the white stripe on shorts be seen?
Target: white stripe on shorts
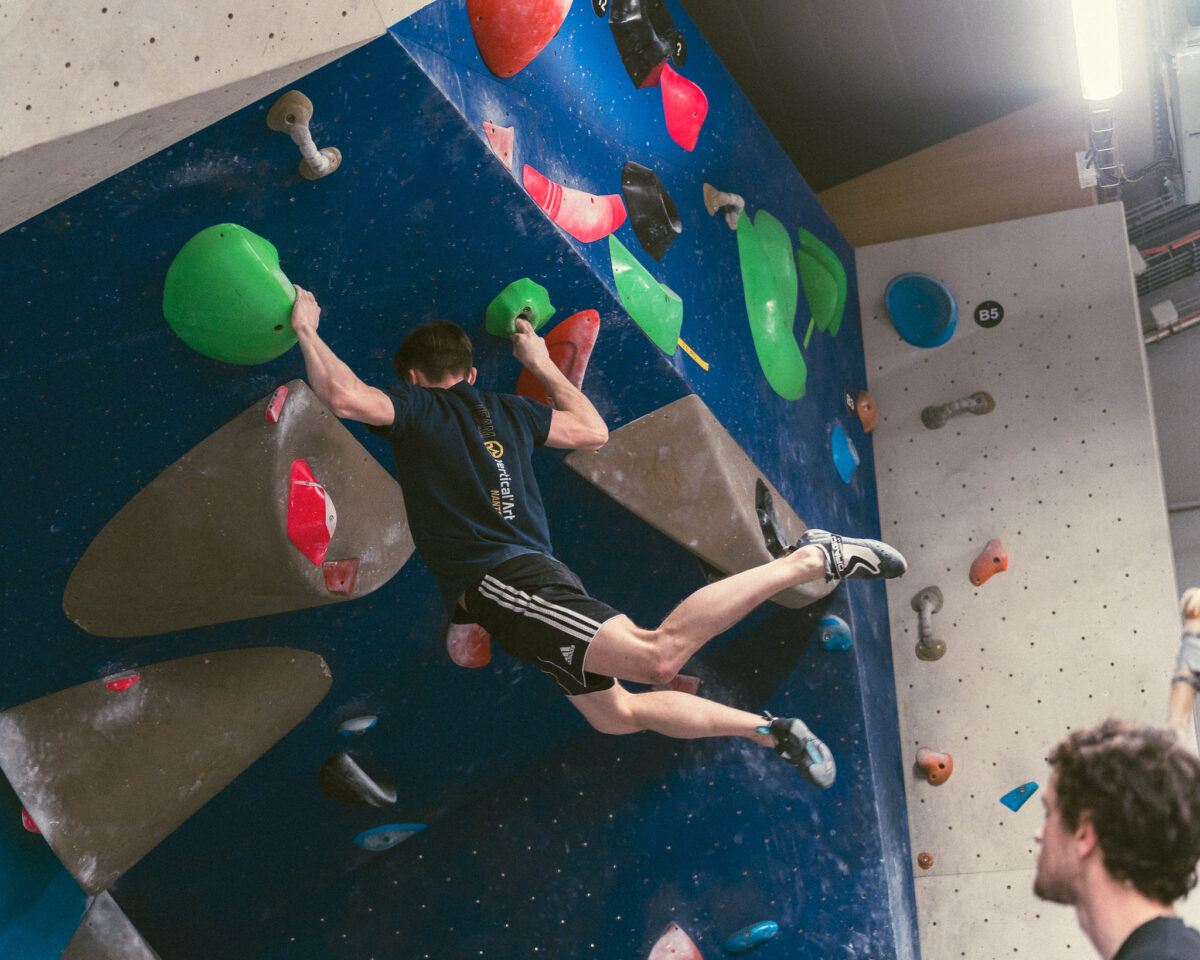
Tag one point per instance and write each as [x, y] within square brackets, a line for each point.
[568, 621]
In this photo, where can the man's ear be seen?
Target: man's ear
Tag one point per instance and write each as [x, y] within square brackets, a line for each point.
[1085, 836]
[471, 377]
[410, 377]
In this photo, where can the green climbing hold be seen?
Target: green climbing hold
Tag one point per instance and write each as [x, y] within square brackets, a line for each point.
[227, 298]
[767, 300]
[654, 306]
[824, 280]
[777, 246]
[521, 298]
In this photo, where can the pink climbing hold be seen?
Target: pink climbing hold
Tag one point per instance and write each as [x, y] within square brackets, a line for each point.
[122, 682]
[674, 944]
[275, 404]
[469, 645]
[570, 347]
[311, 516]
[584, 216]
[500, 139]
[27, 822]
[684, 105]
[991, 561]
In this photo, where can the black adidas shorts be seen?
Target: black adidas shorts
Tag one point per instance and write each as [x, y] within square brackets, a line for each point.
[537, 610]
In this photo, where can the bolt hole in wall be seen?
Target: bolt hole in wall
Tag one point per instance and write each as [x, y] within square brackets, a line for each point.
[1044, 644]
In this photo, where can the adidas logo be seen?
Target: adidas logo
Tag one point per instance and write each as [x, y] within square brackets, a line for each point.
[568, 654]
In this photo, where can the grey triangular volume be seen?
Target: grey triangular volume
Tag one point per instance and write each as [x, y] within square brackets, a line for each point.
[105, 933]
[109, 768]
[680, 470]
[207, 540]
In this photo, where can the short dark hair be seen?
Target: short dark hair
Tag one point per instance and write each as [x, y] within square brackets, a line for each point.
[1142, 789]
[436, 349]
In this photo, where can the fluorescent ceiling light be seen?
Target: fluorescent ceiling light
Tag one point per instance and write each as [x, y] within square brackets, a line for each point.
[1099, 51]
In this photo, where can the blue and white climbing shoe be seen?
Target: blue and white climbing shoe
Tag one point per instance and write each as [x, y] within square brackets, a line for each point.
[847, 557]
[802, 749]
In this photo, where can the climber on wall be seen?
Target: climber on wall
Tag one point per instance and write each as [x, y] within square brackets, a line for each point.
[476, 515]
[1187, 668]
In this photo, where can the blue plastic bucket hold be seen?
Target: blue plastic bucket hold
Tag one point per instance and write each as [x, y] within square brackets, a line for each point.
[923, 309]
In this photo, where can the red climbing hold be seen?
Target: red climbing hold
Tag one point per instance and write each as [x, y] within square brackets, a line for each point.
[469, 645]
[122, 682]
[570, 346]
[311, 516]
[584, 216]
[992, 561]
[27, 822]
[937, 766]
[500, 139]
[867, 413]
[681, 683]
[684, 105]
[340, 575]
[510, 33]
[275, 404]
[674, 944]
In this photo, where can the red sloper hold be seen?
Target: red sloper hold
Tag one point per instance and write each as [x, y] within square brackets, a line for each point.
[27, 822]
[674, 944]
[684, 105]
[469, 645]
[311, 516]
[570, 346]
[584, 216]
[510, 33]
[991, 561]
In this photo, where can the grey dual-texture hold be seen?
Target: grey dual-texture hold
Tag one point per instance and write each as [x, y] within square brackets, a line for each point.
[927, 602]
[977, 403]
[342, 779]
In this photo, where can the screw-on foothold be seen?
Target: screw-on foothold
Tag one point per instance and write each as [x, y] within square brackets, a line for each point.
[731, 203]
[928, 602]
[978, 403]
[924, 860]
[290, 114]
[937, 766]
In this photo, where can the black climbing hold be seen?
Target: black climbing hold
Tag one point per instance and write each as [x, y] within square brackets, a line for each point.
[646, 38]
[652, 213]
[764, 506]
[342, 779]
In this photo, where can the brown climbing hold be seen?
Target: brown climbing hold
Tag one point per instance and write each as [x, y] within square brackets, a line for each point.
[937, 766]
[924, 860]
[340, 575]
[991, 561]
[867, 413]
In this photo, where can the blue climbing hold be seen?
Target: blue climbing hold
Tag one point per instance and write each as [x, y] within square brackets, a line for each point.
[834, 633]
[386, 837]
[845, 457]
[923, 309]
[1016, 797]
[356, 725]
[752, 936]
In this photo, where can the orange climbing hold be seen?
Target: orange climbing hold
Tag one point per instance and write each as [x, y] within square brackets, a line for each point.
[937, 766]
[924, 860]
[570, 347]
[510, 34]
[469, 645]
[867, 413]
[992, 561]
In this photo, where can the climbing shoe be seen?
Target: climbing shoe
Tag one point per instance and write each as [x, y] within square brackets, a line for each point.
[847, 557]
[799, 747]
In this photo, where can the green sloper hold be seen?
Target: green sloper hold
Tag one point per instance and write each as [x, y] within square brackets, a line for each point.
[778, 353]
[822, 269]
[227, 298]
[521, 298]
[654, 306]
[777, 246]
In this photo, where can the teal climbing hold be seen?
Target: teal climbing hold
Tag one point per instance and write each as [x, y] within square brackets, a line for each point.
[386, 837]
[845, 457]
[521, 298]
[226, 297]
[834, 633]
[655, 307]
[1015, 798]
[750, 937]
[923, 309]
[768, 298]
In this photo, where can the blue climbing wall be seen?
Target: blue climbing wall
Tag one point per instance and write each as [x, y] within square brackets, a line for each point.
[544, 838]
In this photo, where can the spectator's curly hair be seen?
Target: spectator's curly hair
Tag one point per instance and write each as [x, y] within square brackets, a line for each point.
[436, 349]
[1142, 790]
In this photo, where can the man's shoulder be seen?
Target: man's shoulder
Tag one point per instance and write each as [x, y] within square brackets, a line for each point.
[1163, 938]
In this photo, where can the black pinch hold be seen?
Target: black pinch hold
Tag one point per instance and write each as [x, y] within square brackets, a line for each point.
[652, 213]
[646, 37]
[342, 779]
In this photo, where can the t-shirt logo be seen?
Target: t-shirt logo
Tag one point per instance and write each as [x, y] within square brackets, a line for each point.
[495, 448]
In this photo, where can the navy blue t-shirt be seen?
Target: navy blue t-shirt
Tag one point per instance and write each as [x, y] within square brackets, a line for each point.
[463, 461]
[1163, 938]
